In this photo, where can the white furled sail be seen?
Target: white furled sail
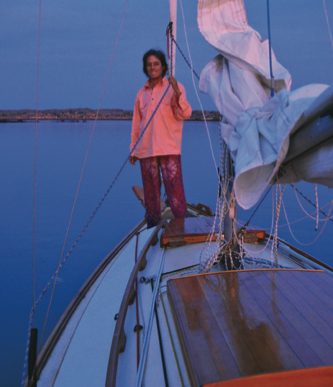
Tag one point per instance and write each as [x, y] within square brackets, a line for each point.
[173, 20]
[255, 127]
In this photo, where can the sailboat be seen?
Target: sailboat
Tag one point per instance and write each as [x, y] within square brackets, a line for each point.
[216, 302]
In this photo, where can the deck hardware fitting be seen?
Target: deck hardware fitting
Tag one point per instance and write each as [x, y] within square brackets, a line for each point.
[116, 316]
[138, 328]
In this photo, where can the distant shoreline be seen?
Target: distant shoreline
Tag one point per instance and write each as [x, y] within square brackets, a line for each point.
[83, 115]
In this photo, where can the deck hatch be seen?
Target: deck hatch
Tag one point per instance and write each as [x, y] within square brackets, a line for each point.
[245, 323]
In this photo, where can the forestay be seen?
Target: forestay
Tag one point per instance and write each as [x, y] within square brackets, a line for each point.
[255, 127]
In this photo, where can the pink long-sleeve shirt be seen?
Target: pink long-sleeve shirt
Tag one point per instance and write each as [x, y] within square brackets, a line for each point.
[164, 134]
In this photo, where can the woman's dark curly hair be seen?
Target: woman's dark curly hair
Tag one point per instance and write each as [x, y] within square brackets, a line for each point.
[160, 56]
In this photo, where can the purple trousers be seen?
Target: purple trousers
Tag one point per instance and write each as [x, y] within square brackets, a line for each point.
[173, 182]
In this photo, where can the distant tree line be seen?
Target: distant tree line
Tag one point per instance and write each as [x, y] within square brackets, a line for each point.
[86, 114]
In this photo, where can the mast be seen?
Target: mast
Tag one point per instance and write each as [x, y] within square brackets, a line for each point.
[230, 258]
[173, 20]
[231, 214]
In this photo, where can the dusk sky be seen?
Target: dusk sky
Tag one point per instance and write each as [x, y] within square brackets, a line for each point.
[78, 36]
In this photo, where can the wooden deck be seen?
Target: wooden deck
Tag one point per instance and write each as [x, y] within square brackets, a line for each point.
[239, 324]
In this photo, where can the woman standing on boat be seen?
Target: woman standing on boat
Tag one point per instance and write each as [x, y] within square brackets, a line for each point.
[160, 146]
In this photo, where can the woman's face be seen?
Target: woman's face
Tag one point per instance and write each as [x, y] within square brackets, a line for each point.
[154, 68]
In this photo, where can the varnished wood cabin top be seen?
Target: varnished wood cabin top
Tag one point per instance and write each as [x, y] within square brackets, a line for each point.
[244, 323]
[200, 225]
[191, 230]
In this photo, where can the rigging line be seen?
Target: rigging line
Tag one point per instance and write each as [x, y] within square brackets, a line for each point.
[82, 172]
[308, 200]
[35, 166]
[171, 50]
[321, 231]
[196, 92]
[328, 23]
[137, 307]
[270, 233]
[222, 206]
[271, 230]
[294, 222]
[25, 365]
[278, 208]
[247, 223]
[145, 347]
[182, 54]
[270, 49]
[317, 205]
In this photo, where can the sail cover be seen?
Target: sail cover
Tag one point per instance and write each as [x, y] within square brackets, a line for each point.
[255, 127]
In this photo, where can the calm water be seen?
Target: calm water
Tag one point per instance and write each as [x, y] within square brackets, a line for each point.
[61, 151]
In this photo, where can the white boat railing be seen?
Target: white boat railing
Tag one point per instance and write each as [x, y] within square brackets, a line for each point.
[119, 337]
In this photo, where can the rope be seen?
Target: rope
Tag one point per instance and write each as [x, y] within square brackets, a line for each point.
[248, 251]
[295, 221]
[79, 237]
[317, 205]
[270, 49]
[306, 244]
[137, 307]
[278, 209]
[314, 205]
[32, 317]
[328, 24]
[181, 52]
[171, 50]
[248, 222]
[35, 166]
[196, 92]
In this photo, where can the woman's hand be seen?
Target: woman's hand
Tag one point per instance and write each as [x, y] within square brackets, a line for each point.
[132, 160]
[175, 87]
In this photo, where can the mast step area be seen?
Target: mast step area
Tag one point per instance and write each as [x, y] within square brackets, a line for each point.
[180, 232]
